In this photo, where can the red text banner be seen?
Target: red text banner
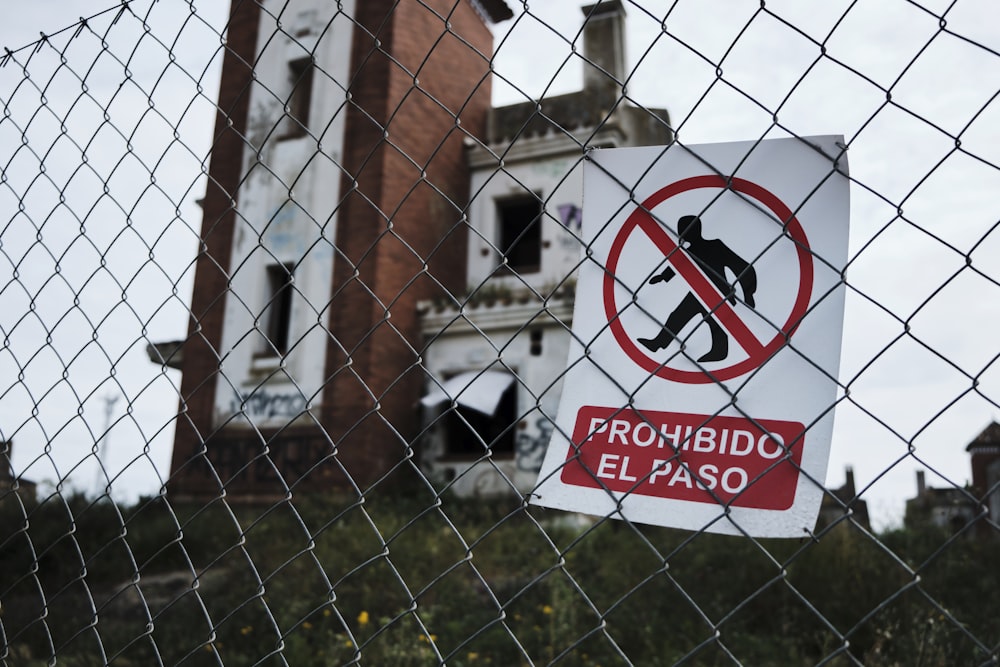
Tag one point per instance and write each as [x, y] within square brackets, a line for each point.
[701, 458]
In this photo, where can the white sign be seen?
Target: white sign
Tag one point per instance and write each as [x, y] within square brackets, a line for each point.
[703, 376]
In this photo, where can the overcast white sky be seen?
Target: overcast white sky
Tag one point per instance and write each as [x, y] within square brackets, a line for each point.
[932, 271]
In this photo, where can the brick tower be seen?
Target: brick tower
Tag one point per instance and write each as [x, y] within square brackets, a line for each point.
[335, 202]
[984, 451]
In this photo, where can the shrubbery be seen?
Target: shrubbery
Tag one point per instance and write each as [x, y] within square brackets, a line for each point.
[405, 581]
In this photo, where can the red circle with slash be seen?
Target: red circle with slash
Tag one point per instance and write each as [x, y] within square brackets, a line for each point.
[758, 351]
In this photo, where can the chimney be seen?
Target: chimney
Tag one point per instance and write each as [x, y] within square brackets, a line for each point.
[604, 47]
[849, 481]
[6, 454]
[921, 483]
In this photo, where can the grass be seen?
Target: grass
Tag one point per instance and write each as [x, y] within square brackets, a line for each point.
[417, 580]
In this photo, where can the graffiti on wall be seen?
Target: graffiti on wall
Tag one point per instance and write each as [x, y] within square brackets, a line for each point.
[531, 445]
[571, 216]
[264, 405]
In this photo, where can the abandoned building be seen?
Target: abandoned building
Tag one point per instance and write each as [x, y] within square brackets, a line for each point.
[843, 504]
[10, 482]
[365, 256]
[504, 345]
[386, 278]
[954, 508]
[950, 507]
[336, 193]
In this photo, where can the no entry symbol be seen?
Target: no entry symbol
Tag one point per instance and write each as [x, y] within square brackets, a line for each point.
[709, 297]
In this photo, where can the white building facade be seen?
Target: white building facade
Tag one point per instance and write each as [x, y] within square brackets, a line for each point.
[497, 357]
[273, 352]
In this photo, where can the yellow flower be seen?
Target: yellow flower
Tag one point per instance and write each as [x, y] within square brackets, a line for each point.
[327, 612]
[424, 638]
[307, 625]
[547, 610]
[245, 630]
[472, 656]
[348, 643]
[363, 618]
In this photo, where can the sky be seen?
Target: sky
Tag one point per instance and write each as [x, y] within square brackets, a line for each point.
[910, 86]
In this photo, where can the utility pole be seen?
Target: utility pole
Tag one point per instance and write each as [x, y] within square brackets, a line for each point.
[102, 444]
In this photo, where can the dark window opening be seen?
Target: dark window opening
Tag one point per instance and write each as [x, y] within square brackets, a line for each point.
[469, 432]
[277, 316]
[520, 222]
[536, 343]
[299, 99]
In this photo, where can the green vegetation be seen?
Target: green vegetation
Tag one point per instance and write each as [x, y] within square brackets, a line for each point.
[405, 581]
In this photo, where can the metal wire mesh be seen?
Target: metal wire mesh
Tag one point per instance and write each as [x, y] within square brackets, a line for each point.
[286, 298]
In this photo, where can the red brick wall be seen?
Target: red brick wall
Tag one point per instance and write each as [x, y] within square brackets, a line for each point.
[982, 457]
[392, 219]
[201, 360]
[403, 142]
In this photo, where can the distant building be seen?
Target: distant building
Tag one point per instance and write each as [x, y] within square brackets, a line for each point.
[950, 508]
[837, 503]
[953, 508]
[9, 482]
[984, 451]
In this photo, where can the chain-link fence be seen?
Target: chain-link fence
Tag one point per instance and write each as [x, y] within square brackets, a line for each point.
[288, 295]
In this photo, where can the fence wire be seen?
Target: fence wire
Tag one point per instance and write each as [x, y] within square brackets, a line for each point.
[286, 295]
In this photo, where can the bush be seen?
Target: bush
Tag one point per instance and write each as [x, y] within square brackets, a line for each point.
[414, 580]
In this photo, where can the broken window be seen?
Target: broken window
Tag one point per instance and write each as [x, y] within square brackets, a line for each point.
[297, 106]
[481, 412]
[276, 319]
[469, 432]
[535, 348]
[520, 232]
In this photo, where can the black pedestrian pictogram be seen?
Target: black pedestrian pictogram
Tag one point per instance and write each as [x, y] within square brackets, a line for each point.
[708, 286]
[713, 257]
